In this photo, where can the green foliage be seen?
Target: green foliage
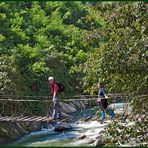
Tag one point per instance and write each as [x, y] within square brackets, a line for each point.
[11, 81]
[45, 38]
[121, 60]
[139, 105]
[118, 133]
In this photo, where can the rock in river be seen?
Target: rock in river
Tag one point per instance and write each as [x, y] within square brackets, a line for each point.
[82, 137]
[61, 126]
[99, 142]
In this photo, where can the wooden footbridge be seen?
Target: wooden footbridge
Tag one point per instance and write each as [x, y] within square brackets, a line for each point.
[16, 106]
[25, 118]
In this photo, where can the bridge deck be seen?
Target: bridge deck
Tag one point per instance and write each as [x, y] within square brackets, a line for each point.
[25, 118]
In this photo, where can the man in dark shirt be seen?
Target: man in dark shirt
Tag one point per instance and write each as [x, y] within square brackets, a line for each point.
[55, 89]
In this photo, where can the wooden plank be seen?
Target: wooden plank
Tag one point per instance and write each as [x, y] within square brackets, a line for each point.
[7, 119]
[40, 119]
[22, 118]
[29, 118]
[34, 119]
[14, 118]
[47, 119]
[26, 118]
[1, 118]
[11, 118]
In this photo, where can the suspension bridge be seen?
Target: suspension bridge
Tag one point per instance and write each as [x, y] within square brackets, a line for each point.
[18, 108]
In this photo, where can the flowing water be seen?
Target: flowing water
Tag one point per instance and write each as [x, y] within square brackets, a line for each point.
[48, 137]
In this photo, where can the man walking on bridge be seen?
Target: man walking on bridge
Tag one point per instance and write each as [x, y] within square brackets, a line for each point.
[55, 90]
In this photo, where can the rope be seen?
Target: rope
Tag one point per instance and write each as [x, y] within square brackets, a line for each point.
[26, 102]
[76, 96]
[45, 97]
[64, 100]
[91, 98]
[3, 108]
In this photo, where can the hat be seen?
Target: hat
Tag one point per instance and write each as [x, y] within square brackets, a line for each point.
[50, 78]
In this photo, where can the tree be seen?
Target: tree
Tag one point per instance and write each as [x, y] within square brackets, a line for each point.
[121, 61]
[45, 38]
[11, 81]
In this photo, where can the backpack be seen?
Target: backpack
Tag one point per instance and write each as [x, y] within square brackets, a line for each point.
[61, 86]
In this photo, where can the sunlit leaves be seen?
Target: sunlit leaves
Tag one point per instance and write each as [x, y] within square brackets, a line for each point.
[2, 38]
[10, 78]
[38, 67]
[123, 64]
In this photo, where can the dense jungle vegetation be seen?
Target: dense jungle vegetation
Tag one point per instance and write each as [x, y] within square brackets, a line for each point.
[79, 43]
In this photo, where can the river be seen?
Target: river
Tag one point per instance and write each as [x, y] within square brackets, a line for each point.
[48, 137]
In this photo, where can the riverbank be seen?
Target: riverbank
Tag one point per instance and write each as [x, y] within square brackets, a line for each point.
[11, 131]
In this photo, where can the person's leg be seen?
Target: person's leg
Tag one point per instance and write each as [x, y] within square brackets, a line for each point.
[111, 112]
[103, 114]
[103, 111]
[58, 112]
[54, 110]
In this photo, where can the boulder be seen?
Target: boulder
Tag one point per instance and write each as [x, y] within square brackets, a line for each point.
[99, 142]
[66, 120]
[61, 126]
[88, 118]
[94, 118]
[82, 137]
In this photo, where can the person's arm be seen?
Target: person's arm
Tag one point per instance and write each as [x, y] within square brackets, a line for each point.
[54, 95]
[105, 93]
[55, 92]
[106, 96]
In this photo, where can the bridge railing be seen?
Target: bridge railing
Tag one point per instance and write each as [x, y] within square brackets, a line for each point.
[39, 105]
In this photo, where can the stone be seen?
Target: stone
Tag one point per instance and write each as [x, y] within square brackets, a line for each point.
[94, 118]
[88, 118]
[99, 137]
[81, 119]
[61, 126]
[99, 142]
[66, 120]
[82, 136]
